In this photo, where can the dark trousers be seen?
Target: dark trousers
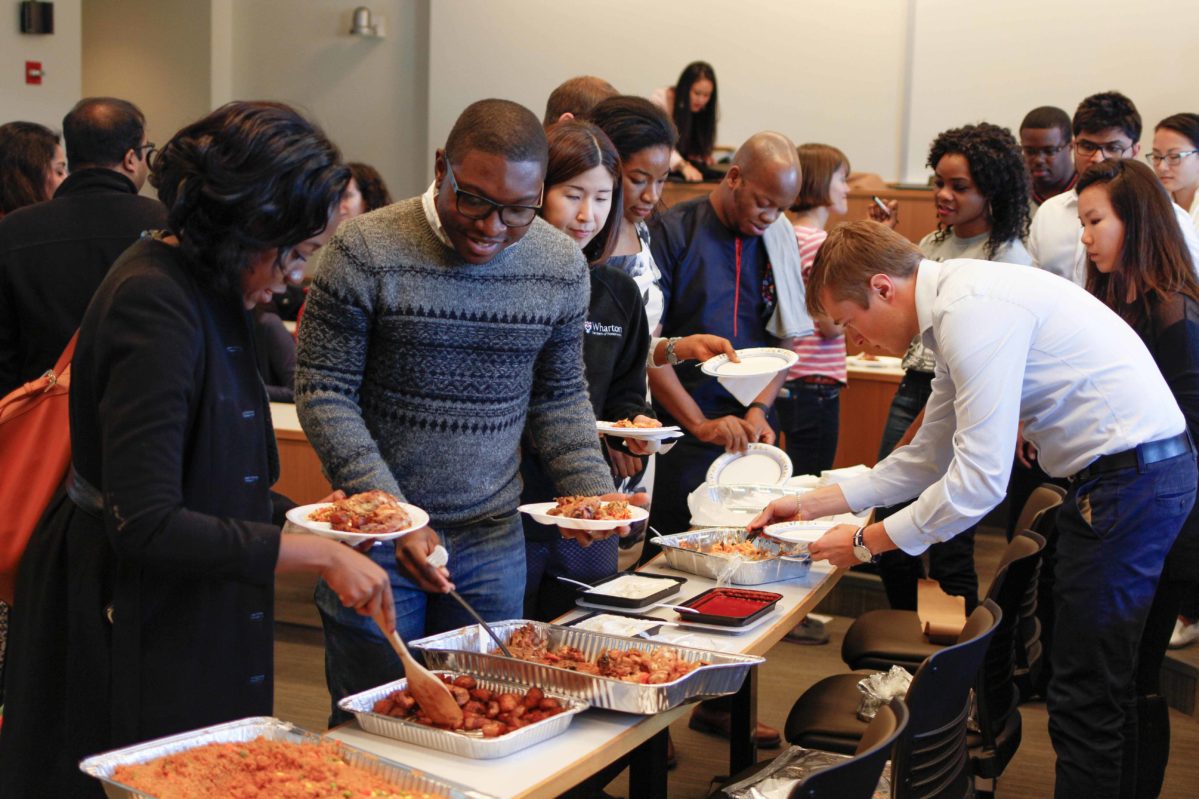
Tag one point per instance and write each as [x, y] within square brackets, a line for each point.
[809, 417]
[951, 563]
[1114, 531]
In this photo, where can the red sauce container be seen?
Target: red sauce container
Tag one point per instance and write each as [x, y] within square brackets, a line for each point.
[731, 607]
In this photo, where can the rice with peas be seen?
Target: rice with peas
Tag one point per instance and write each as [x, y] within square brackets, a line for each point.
[260, 769]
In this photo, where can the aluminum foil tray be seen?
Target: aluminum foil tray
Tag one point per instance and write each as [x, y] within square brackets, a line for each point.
[468, 649]
[472, 745]
[787, 561]
[404, 778]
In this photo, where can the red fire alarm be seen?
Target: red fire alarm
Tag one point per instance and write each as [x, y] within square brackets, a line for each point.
[33, 73]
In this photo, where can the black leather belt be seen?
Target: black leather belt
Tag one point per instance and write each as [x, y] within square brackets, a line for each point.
[1147, 453]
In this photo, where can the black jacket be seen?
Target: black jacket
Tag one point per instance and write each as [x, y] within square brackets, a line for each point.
[154, 616]
[53, 255]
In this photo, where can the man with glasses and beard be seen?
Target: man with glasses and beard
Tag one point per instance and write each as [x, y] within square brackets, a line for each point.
[53, 255]
[435, 328]
[1106, 125]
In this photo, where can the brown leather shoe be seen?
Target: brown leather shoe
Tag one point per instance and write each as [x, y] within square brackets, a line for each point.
[718, 722]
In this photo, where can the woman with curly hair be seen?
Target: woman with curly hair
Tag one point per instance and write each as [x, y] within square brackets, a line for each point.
[146, 592]
[692, 106]
[32, 165]
[981, 192]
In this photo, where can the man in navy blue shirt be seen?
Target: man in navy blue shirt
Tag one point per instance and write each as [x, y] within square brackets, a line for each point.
[717, 278]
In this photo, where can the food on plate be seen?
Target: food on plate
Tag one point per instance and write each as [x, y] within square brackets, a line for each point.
[368, 512]
[745, 550]
[492, 713]
[278, 769]
[642, 424]
[657, 666]
[590, 508]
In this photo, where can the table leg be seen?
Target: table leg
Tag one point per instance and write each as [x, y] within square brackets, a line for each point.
[647, 768]
[743, 748]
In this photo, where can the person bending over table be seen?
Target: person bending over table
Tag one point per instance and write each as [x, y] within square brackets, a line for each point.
[1020, 345]
[144, 600]
[437, 330]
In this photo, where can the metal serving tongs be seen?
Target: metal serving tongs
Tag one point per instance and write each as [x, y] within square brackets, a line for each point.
[440, 557]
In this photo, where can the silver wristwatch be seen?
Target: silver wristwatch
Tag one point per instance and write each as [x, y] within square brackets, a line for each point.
[671, 357]
[860, 550]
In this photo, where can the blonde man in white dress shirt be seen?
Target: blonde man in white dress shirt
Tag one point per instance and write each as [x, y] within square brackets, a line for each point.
[1012, 346]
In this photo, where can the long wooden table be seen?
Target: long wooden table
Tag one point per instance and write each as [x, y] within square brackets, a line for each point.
[598, 738]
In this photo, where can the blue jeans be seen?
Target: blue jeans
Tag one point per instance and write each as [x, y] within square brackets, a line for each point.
[810, 418]
[1114, 530]
[487, 565]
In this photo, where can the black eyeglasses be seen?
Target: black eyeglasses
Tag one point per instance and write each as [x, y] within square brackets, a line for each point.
[1048, 152]
[472, 206]
[145, 150]
[1111, 149]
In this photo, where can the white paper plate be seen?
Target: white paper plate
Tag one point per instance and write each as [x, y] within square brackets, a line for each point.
[540, 512]
[800, 532]
[760, 464]
[299, 517]
[755, 361]
[644, 433]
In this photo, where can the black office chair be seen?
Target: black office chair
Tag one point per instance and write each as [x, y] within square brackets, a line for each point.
[856, 778]
[1036, 614]
[931, 759]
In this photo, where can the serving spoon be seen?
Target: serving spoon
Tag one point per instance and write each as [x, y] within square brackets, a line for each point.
[430, 692]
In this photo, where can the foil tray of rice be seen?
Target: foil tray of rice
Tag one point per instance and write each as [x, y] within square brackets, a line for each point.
[252, 741]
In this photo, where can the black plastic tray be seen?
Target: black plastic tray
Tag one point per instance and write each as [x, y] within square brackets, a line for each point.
[769, 600]
[670, 586]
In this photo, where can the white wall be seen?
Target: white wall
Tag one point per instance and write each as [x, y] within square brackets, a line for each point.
[155, 54]
[59, 53]
[815, 70]
[370, 95]
[997, 61]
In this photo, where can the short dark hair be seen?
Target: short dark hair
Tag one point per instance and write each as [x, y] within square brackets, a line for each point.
[248, 178]
[818, 163]
[577, 96]
[577, 146]
[1108, 110]
[634, 124]
[370, 185]
[26, 153]
[998, 170]
[1184, 125]
[98, 131]
[1155, 260]
[1047, 117]
[498, 127]
[697, 132]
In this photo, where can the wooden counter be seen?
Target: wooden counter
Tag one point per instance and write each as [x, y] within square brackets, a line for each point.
[300, 478]
[865, 403]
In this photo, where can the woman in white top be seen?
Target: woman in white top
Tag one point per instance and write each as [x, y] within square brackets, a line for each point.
[1175, 159]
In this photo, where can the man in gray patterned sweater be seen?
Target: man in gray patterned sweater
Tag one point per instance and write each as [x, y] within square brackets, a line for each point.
[435, 328]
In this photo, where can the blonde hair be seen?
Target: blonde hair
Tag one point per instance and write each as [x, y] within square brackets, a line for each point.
[851, 255]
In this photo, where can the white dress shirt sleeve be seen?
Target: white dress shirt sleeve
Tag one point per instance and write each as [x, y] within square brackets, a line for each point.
[962, 456]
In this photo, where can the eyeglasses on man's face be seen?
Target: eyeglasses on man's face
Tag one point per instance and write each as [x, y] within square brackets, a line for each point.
[1172, 159]
[472, 206]
[1044, 152]
[1110, 149]
[144, 151]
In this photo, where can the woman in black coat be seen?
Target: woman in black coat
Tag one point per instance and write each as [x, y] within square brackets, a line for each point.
[144, 600]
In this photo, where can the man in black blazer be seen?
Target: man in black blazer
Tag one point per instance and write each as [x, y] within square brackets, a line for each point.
[54, 254]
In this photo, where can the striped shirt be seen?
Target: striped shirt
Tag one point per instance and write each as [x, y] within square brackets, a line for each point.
[817, 355]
